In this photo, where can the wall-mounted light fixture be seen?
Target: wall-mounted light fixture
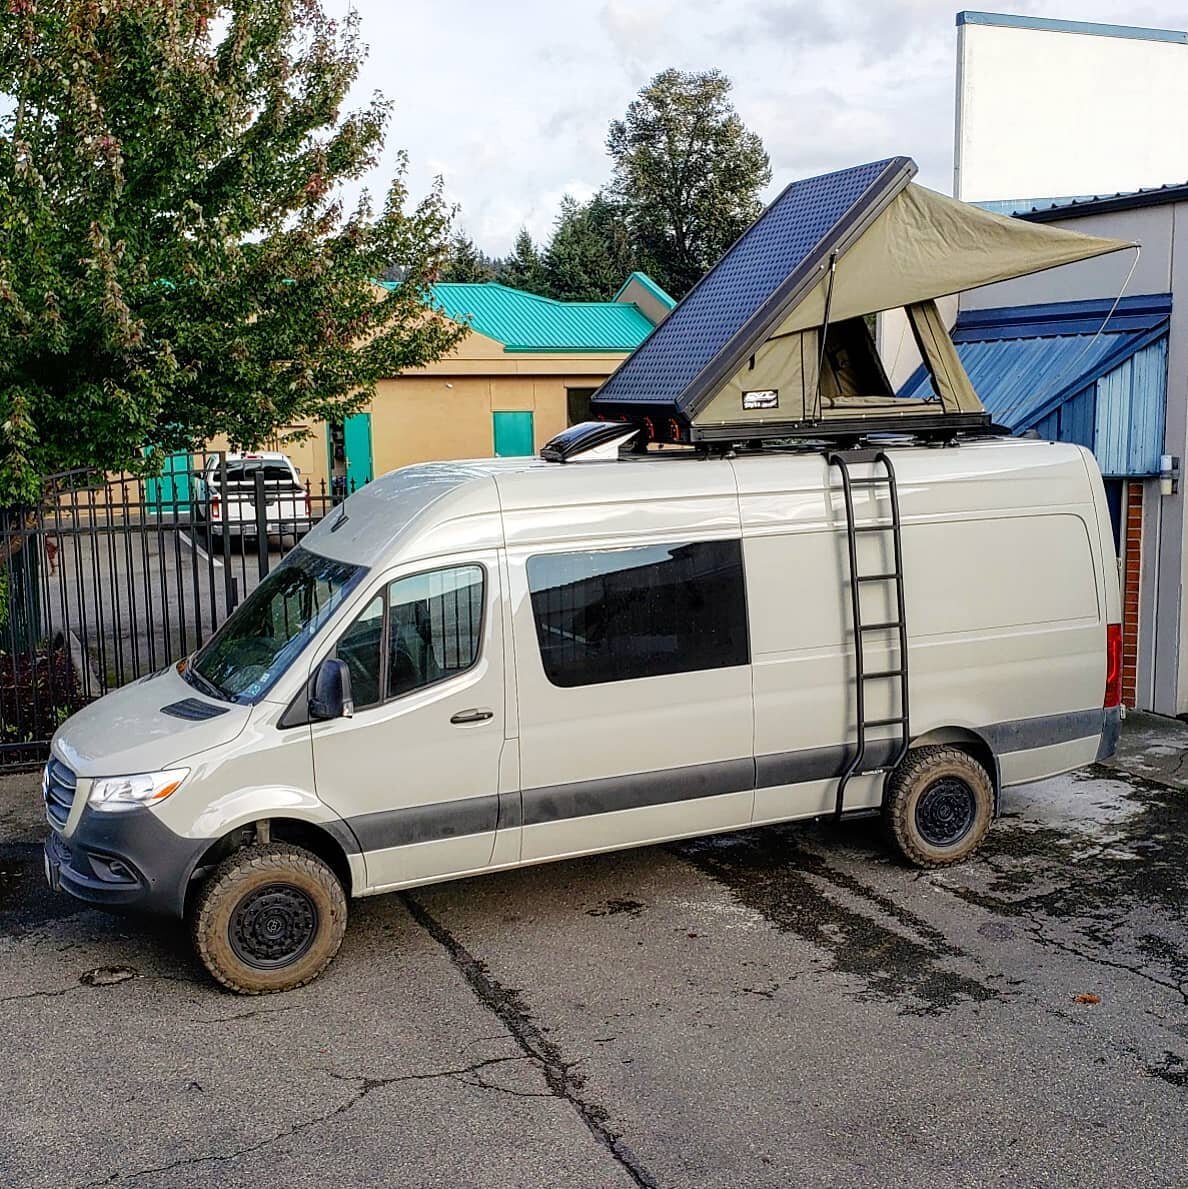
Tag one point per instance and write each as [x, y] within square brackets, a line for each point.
[1169, 474]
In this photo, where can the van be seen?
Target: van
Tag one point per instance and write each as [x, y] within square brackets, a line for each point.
[475, 666]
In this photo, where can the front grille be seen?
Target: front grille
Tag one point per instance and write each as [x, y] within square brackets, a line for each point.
[59, 786]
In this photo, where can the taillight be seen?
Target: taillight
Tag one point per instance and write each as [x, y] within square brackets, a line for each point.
[214, 507]
[1113, 681]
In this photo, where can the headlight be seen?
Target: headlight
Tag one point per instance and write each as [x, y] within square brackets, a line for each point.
[126, 792]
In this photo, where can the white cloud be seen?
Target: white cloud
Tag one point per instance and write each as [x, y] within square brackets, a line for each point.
[511, 102]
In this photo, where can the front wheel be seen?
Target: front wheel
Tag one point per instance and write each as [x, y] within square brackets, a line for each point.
[940, 801]
[270, 918]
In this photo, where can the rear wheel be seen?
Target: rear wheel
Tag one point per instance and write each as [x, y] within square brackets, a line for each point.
[940, 802]
[270, 918]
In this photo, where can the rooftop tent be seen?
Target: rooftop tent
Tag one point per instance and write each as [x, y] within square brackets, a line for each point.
[741, 355]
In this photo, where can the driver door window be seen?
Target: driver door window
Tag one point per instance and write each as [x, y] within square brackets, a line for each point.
[415, 633]
[434, 622]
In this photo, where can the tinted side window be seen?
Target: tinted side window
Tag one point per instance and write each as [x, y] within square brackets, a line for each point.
[434, 624]
[615, 615]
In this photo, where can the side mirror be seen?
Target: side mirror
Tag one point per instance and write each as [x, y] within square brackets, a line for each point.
[331, 696]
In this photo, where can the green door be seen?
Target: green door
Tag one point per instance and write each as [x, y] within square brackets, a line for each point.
[513, 434]
[356, 443]
[171, 490]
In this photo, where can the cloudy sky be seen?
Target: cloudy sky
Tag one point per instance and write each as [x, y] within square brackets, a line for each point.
[509, 100]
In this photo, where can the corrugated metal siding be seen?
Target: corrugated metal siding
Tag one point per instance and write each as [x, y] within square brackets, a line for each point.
[1117, 408]
[1078, 418]
[1016, 377]
[1130, 412]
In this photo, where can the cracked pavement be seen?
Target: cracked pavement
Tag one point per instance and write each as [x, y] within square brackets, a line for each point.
[788, 1005]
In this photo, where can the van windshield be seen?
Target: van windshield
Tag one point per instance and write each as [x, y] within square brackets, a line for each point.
[243, 659]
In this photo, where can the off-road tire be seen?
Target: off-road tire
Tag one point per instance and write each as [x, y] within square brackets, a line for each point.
[946, 787]
[286, 881]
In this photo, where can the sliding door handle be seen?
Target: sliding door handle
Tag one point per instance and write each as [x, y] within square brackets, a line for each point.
[463, 717]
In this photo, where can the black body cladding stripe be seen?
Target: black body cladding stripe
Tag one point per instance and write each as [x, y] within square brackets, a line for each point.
[505, 811]
[613, 793]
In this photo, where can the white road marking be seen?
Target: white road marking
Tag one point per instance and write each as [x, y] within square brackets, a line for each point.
[198, 548]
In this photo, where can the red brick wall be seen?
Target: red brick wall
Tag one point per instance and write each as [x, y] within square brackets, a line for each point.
[1131, 579]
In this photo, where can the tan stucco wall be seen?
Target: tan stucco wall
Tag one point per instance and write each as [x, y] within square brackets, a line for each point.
[418, 417]
[443, 411]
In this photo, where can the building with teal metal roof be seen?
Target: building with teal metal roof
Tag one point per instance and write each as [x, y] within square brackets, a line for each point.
[526, 370]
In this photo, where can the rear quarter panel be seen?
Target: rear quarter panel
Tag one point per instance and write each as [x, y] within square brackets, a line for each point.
[1006, 608]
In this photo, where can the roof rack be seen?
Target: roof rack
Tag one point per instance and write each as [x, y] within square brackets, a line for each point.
[932, 427]
[592, 441]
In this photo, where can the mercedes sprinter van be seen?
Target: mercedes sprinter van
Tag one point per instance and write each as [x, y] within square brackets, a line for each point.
[473, 666]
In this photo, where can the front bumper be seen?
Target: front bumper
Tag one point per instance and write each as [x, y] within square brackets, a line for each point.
[126, 860]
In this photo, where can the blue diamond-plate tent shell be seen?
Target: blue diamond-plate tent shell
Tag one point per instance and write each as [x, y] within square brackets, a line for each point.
[741, 355]
[742, 285]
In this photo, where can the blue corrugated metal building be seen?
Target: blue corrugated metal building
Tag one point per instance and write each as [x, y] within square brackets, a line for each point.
[1089, 372]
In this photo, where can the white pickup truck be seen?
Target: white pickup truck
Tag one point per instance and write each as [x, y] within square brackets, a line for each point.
[286, 502]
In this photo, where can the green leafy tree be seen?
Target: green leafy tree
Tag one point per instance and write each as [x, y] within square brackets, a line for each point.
[524, 268]
[589, 256]
[466, 263]
[688, 173]
[176, 259]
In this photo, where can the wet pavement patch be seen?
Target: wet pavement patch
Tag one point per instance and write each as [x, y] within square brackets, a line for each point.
[1100, 879]
[26, 903]
[612, 908]
[772, 872]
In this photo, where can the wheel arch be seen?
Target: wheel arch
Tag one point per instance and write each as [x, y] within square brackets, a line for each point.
[334, 846]
[969, 741]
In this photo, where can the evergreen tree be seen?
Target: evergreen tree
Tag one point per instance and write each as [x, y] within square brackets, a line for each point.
[466, 263]
[524, 268]
[589, 256]
[688, 173]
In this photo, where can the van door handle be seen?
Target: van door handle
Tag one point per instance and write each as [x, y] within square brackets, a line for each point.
[469, 716]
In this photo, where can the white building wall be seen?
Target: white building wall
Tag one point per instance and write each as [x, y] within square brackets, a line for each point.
[1161, 268]
[1150, 227]
[1036, 103]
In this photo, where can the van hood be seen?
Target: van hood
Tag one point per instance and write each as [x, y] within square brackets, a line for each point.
[150, 724]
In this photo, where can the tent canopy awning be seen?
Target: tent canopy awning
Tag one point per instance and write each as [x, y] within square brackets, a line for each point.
[743, 349]
[926, 245]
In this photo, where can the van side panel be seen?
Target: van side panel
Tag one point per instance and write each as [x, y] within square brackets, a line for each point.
[1005, 608]
[622, 762]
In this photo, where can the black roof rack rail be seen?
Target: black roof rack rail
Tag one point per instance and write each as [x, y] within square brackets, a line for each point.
[931, 426]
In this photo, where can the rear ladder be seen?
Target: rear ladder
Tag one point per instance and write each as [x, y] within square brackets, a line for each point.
[897, 673]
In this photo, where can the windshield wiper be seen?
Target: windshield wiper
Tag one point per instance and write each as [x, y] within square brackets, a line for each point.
[207, 686]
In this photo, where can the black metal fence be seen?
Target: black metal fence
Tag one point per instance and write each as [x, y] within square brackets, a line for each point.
[110, 578]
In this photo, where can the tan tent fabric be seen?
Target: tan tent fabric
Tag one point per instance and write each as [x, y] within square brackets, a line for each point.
[923, 246]
[787, 365]
[926, 245]
[940, 357]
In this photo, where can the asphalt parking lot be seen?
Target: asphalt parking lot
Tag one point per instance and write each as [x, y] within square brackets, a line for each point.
[788, 1006]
